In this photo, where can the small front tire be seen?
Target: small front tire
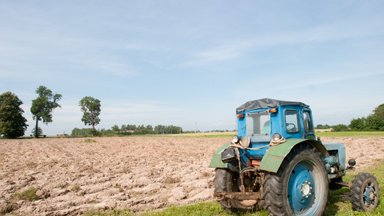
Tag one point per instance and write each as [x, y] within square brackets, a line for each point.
[365, 192]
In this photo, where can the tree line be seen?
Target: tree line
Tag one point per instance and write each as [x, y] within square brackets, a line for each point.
[128, 129]
[373, 122]
[13, 124]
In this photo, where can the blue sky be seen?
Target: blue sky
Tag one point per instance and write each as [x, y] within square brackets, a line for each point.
[191, 63]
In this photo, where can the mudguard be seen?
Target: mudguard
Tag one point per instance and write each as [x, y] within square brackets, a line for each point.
[275, 155]
[216, 158]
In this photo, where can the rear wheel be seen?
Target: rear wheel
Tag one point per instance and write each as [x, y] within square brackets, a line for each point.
[226, 181]
[301, 185]
[365, 192]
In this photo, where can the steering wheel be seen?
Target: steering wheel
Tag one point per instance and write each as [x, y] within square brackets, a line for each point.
[291, 127]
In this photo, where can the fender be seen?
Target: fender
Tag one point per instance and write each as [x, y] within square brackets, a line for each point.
[275, 155]
[216, 158]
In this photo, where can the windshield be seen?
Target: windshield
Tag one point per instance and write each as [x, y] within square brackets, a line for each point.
[258, 126]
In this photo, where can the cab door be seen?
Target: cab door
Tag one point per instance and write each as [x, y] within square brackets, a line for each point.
[309, 132]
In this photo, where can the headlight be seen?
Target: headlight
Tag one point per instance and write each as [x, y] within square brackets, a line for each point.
[276, 137]
[235, 139]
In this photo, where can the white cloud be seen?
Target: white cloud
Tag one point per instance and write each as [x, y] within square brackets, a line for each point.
[106, 66]
[335, 31]
[137, 110]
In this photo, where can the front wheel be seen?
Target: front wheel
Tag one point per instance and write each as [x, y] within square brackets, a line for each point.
[365, 192]
[301, 185]
[226, 181]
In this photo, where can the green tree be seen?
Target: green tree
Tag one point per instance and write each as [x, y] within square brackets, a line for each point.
[340, 127]
[374, 123]
[376, 120]
[358, 124]
[115, 128]
[43, 106]
[12, 122]
[379, 111]
[39, 132]
[91, 110]
[320, 126]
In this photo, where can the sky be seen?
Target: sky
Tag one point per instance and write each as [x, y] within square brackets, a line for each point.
[191, 63]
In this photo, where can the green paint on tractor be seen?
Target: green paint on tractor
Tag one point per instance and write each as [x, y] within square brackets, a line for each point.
[216, 158]
[275, 155]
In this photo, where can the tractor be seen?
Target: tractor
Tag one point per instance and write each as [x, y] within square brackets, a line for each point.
[276, 162]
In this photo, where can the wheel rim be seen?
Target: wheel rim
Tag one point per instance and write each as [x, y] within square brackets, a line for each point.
[369, 195]
[301, 187]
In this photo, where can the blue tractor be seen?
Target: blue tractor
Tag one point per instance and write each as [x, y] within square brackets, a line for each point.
[277, 163]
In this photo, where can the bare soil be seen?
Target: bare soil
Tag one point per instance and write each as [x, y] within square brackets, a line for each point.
[73, 176]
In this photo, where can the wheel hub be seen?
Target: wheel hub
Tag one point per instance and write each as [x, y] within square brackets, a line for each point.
[306, 189]
[301, 188]
[369, 195]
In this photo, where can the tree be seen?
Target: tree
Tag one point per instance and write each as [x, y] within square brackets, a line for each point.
[115, 128]
[12, 122]
[375, 123]
[358, 124]
[340, 127]
[43, 106]
[320, 126]
[91, 110]
[379, 111]
[39, 132]
[376, 120]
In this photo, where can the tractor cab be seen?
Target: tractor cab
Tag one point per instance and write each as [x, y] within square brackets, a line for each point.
[260, 119]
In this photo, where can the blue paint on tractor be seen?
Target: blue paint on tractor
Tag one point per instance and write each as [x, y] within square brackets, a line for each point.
[292, 120]
[278, 123]
[367, 196]
[301, 187]
[337, 150]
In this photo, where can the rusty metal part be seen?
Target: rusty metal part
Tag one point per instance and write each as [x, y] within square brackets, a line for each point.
[256, 163]
[239, 195]
[242, 187]
[344, 184]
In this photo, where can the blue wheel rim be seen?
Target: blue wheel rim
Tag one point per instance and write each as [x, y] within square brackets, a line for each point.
[369, 194]
[301, 187]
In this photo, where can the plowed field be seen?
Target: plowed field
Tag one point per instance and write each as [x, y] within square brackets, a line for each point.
[72, 176]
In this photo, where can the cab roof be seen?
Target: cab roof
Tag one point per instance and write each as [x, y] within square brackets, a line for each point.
[265, 103]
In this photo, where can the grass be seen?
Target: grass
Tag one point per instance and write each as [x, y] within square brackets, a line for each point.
[319, 134]
[75, 188]
[28, 195]
[203, 208]
[202, 135]
[88, 140]
[338, 203]
[351, 134]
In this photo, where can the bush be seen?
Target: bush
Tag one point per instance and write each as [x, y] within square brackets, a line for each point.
[340, 127]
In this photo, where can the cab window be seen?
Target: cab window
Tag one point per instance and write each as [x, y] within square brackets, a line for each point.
[258, 126]
[308, 126]
[292, 121]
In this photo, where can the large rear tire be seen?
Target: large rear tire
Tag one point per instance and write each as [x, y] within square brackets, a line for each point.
[226, 181]
[301, 185]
